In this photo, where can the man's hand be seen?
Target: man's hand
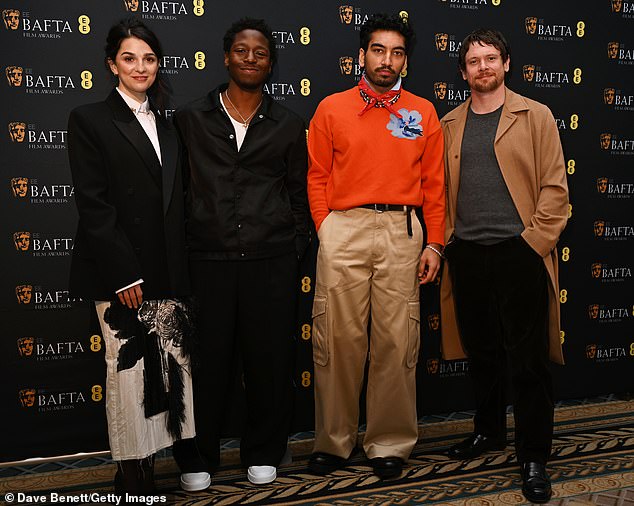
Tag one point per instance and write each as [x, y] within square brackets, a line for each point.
[131, 297]
[429, 265]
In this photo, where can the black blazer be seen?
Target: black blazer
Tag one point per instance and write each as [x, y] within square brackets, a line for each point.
[131, 219]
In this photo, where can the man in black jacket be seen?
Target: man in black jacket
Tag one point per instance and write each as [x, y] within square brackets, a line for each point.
[247, 225]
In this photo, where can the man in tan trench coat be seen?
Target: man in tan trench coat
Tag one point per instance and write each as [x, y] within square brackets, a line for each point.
[507, 203]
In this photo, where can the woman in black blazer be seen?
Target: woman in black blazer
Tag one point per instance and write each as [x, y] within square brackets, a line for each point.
[129, 257]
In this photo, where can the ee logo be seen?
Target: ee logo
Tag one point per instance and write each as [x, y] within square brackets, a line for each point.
[84, 24]
[95, 343]
[199, 60]
[304, 87]
[199, 7]
[96, 393]
[86, 79]
[304, 35]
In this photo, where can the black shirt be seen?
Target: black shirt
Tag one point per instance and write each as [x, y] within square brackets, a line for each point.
[250, 203]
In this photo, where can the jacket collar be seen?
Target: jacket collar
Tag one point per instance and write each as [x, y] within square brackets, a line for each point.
[268, 108]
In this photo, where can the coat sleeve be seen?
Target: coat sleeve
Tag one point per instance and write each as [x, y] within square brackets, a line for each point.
[551, 211]
[104, 240]
[296, 169]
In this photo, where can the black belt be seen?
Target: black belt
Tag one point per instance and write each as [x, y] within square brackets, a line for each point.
[381, 208]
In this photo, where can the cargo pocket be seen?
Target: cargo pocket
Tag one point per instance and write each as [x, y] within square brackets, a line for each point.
[320, 331]
[413, 333]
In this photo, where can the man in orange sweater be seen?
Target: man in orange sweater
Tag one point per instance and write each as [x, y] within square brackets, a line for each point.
[376, 153]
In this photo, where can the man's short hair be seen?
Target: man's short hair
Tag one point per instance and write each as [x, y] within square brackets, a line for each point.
[484, 36]
[250, 24]
[382, 21]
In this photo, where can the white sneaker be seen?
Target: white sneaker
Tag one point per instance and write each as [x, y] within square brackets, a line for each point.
[259, 475]
[194, 482]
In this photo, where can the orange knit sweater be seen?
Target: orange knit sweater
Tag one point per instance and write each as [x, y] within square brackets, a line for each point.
[377, 159]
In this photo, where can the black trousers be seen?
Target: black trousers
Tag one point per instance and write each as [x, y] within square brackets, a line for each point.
[501, 297]
[248, 306]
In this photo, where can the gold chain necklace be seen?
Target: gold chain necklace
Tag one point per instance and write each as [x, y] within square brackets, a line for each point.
[245, 122]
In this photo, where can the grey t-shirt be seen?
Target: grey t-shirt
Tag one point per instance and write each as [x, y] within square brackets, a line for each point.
[485, 212]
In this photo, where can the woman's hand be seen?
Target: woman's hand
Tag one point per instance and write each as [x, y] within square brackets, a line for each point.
[131, 297]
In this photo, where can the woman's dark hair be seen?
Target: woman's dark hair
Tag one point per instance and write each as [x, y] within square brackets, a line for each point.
[132, 27]
[250, 24]
[484, 36]
[382, 21]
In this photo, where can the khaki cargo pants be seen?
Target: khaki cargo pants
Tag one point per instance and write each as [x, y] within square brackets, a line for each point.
[367, 265]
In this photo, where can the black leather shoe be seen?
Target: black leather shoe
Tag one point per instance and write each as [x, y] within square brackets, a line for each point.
[474, 446]
[387, 467]
[535, 482]
[323, 463]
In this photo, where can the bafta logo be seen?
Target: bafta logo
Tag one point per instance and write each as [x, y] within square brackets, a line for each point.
[608, 95]
[433, 320]
[345, 14]
[17, 131]
[345, 65]
[602, 184]
[605, 139]
[404, 15]
[591, 351]
[22, 240]
[25, 346]
[432, 365]
[441, 41]
[14, 75]
[593, 311]
[11, 18]
[617, 5]
[23, 293]
[528, 72]
[599, 228]
[20, 186]
[613, 50]
[530, 24]
[440, 90]
[596, 270]
[27, 397]
[131, 5]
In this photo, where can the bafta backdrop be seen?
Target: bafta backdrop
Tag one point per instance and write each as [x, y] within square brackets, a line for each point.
[576, 57]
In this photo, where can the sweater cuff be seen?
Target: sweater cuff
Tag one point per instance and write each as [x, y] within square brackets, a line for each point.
[319, 218]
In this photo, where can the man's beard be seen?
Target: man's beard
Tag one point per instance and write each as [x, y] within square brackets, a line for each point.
[493, 83]
[380, 81]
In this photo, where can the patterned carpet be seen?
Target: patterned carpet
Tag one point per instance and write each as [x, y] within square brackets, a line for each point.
[592, 463]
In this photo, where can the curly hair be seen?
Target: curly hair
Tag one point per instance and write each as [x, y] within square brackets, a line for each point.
[382, 21]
